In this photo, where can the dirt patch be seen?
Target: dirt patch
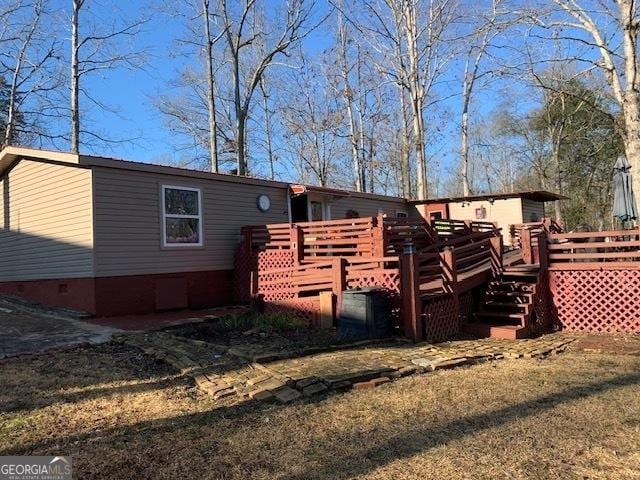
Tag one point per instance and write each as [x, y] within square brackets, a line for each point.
[622, 344]
[258, 345]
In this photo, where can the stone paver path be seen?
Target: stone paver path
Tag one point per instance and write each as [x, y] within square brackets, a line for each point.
[220, 372]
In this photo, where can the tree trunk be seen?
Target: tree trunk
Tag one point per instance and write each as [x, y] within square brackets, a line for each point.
[75, 78]
[267, 126]
[466, 190]
[417, 96]
[421, 160]
[213, 136]
[405, 161]
[240, 116]
[348, 99]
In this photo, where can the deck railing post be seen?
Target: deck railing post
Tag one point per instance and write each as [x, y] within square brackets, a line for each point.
[339, 275]
[449, 270]
[496, 254]
[296, 243]
[543, 251]
[247, 240]
[378, 247]
[525, 245]
[410, 293]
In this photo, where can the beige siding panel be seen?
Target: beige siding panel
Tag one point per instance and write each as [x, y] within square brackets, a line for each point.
[128, 222]
[532, 211]
[46, 219]
[366, 207]
[504, 212]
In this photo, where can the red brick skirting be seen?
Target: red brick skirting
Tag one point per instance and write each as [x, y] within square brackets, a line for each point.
[134, 294]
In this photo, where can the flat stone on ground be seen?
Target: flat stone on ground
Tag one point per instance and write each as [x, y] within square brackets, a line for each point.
[314, 389]
[286, 394]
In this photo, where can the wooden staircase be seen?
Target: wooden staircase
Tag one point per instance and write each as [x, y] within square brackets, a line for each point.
[507, 310]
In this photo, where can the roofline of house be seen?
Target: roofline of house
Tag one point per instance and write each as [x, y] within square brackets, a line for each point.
[538, 195]
[11, 154]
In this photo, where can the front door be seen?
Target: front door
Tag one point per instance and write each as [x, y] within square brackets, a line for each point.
[309, 208]
[300, 208]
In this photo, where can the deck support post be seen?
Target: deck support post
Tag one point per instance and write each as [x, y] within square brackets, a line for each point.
[496, 254]
[543, 251]
[525, 246]
[339, 272]
[410, 294]
[378, 247]
[296, 243]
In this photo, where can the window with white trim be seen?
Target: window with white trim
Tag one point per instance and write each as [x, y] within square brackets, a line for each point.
[181, 216]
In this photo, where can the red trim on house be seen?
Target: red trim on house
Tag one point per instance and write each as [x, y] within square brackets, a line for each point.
[134, 294]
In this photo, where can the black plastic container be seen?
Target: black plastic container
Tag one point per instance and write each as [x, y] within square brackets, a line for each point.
[366, 313]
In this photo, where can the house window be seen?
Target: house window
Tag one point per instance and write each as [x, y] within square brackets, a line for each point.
[181, 217]
[481, 213]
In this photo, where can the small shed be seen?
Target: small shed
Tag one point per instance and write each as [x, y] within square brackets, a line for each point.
[503, 209]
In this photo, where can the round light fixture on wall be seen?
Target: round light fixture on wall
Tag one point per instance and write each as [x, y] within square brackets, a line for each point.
[264, 202]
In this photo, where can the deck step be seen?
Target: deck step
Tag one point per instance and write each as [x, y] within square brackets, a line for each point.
[506, 332]
[524, 287]
[492, 304]
[500, 318]
[520, 273]
[527, 296]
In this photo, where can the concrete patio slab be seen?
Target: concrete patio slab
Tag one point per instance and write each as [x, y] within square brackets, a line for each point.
[27, 332]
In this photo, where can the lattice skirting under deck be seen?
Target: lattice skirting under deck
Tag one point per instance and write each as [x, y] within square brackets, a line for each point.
[441, 318]
[306, 309]
[598, 301]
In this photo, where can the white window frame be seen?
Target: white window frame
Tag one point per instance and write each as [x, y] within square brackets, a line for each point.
[170, 215]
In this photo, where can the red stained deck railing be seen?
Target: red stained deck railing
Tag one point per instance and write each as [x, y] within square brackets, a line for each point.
[412, 259]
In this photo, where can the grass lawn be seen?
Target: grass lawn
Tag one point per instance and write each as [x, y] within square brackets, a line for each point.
[576, 415]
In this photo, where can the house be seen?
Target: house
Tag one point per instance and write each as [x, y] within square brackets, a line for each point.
[504, 209]
[115, 237]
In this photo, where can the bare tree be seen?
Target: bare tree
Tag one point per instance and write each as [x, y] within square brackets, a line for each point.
[210, 41]
[99, 50]
[490, 26]
[414, 50]
[347, 94]
[611, 29]
[245, 77]
[29, 60]
[268, 121]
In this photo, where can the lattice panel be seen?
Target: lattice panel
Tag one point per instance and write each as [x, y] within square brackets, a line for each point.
[388, 279]
[441, 318]
[244, 264]
[600, 301]
[279, 285]
[541, 320]
[274, 259]
[306, 309]
[466, 308]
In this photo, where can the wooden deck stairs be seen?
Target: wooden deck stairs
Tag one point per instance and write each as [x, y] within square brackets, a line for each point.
[506, 311]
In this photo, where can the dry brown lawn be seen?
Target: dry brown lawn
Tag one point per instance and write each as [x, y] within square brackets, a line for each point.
[121, 416]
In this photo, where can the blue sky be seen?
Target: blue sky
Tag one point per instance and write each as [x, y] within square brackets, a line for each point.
[131, 92]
